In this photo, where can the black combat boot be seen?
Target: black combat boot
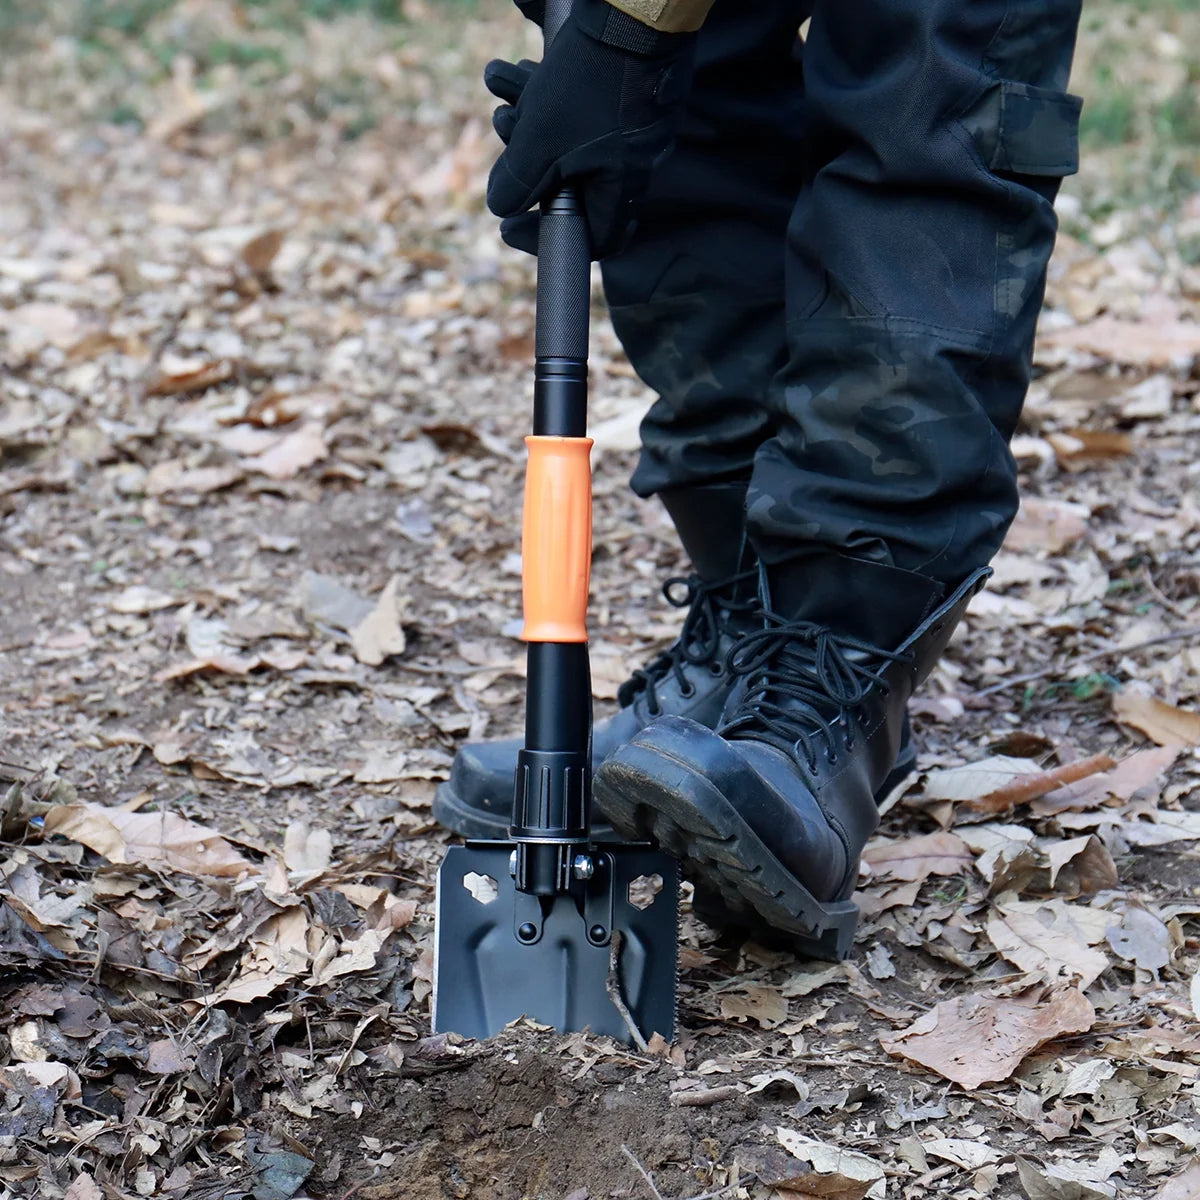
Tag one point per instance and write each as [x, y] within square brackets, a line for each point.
[772, 809]
[690, 679]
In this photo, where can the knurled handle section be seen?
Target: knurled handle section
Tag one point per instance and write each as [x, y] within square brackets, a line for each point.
[556, 539]
[564, 280]
[564, 266]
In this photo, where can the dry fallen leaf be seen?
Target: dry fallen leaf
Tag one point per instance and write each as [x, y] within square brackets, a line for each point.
[379, 634]
[1184, 1186]
[1029, 787]
[307, 853]
[963, 1153]
[291, 453]
[1081, 866]
[1131, 775]
[1060, 1181]
[1158, 344]
[977, 779]
[806, 980]
[1045, 941]
[763, 1005]
[31, 327]
[1163, 723]
[165, 1056]
[139, 599]
[174, 478]
[151, 838]
[276, 953]
[47, 1074]
[1141, 938]
[913, 860]
[191, 378]
[1046, 525]
[1007, 854]
[973, 1040]
[835, 1173]
[356, 954]
[259, 252]
[1082, 448]
[83, 1187]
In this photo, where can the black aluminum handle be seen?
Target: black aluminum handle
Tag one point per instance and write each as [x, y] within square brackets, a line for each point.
[552, 794]
[563, 301]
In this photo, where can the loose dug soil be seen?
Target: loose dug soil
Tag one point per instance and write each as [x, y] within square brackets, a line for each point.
[521, 1121]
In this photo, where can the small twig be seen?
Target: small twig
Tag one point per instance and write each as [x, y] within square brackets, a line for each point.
[612, 985]
[721, 1191]
[1180, 635]
[629, 1154]
[1159, 595]
[1025, 788]
[702, 1097]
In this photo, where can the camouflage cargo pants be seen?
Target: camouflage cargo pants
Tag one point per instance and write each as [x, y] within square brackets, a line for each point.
[834, 286]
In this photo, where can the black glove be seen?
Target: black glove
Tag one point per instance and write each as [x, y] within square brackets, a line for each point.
[601, 111]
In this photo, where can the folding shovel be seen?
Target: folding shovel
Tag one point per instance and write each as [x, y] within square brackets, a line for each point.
[551, 925]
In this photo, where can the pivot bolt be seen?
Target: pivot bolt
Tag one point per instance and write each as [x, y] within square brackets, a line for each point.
[583, 867]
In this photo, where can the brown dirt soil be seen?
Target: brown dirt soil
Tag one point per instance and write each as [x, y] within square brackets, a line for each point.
[521, 1122]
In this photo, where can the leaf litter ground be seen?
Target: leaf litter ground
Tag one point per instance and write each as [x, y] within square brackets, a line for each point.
[266, 380]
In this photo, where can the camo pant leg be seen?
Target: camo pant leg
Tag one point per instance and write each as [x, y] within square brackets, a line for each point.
[916, 258]
[697, 299]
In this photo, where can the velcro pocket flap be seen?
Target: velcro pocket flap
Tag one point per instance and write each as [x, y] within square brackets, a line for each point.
[1025, 130]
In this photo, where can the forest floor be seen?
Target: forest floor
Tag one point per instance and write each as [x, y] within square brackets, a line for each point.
[265, 383]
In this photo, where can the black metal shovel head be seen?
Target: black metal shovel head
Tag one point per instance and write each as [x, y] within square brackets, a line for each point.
[487, 974]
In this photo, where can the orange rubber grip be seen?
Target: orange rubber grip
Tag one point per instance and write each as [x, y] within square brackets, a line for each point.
[556, 539]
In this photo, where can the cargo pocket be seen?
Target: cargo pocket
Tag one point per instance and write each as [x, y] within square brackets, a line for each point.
[1022, 130]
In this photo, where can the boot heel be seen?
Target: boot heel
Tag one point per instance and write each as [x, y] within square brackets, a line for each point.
[835, 941]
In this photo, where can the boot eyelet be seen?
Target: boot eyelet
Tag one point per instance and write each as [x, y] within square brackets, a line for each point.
[688, 691]
[716, 669]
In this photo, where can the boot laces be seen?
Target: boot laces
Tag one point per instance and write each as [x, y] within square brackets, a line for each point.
[710, 606]
[810, 679]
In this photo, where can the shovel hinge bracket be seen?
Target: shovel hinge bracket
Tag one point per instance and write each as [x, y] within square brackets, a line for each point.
[592, 889]
[543, 868]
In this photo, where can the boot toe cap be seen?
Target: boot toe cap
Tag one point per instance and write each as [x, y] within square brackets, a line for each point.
[715, 784]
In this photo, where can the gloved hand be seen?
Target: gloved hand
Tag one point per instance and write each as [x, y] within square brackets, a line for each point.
[601, 111]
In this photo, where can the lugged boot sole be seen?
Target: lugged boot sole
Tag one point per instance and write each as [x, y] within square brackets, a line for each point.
[650, 795]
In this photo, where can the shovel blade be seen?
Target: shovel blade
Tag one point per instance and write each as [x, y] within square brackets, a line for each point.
[486, 977]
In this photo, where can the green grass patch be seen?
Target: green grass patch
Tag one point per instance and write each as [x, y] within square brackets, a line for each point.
[1110, 114]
